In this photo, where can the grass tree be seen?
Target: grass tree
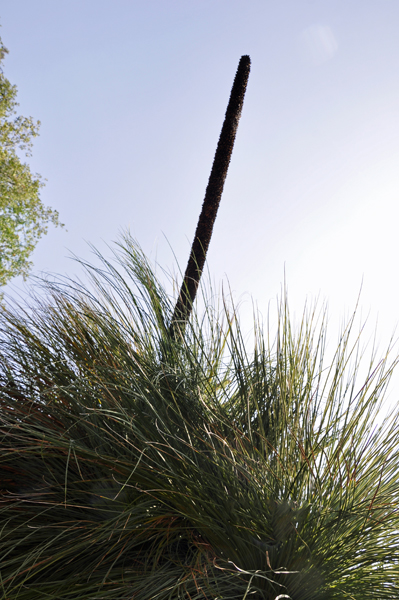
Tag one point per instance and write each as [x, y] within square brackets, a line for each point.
[140, 464]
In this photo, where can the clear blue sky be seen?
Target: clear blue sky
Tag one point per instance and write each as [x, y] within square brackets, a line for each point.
[132, 94]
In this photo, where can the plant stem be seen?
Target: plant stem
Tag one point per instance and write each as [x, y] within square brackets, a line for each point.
[212, 198]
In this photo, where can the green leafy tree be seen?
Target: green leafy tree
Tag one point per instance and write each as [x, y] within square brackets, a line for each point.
[23, 217]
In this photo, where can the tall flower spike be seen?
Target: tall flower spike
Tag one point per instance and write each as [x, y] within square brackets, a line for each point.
[212, 198]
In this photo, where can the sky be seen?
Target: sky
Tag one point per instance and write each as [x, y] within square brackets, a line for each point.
[131, 96]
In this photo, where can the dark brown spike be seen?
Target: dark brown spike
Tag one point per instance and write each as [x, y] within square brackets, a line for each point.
[212, 198]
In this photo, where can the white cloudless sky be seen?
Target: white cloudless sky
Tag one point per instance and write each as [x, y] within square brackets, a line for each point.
[132, 94]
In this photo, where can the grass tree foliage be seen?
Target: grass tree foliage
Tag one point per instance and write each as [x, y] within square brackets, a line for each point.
[137, 464]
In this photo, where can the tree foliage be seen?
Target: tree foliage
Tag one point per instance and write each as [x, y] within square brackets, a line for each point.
[23, 217]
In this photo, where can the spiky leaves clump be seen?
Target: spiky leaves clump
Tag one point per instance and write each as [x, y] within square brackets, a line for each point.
[135, 465]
